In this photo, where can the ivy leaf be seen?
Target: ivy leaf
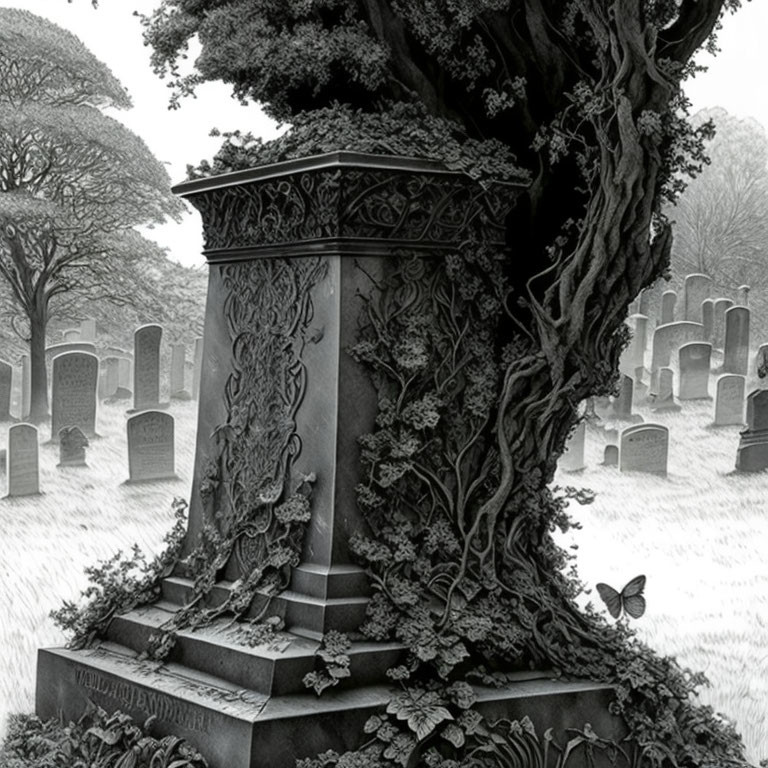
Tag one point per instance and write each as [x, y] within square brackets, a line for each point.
[400, 748]
[422, 714]
[372, 724]
[462, 694]
[454, 734]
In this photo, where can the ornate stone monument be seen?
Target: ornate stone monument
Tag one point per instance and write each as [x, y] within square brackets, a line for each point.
[296, 250]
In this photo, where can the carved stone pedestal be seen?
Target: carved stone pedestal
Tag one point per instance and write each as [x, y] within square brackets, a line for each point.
[293, 250]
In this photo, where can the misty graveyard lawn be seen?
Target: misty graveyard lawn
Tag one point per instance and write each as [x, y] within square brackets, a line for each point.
[84, 515]
[699, 536]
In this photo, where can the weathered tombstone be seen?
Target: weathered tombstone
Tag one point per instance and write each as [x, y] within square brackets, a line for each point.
[72, 445]
[634, 307]
[729, 400]
[26, 386]
[297, 251]
[146, 366]
[572, 459]
[736, 356]
[708, 319]
[668, 301]
[110, 379]
[6, 386]
[641, 389]
[150, 447]
[697, 288]
[667, 339]
[88, 329]
[633, 356]
[70, 335]
[125, 383]
[718, 321]
[72, 346]
[611, 456]
[178, 365]
[23, 467]
[664, 398]
[622, 403]
[644, 448]
[743, 295]
[694, 367]
[198, 364]
[752, 453]
[75, 381]
[611, 435]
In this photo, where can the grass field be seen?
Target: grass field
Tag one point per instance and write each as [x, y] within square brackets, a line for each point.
[83, 515]
[699, 536]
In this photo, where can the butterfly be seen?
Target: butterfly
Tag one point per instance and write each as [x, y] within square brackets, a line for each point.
[630, 599]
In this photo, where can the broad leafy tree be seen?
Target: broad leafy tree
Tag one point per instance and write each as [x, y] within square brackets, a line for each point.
[581, 100]
[720, 222]
[74, 183]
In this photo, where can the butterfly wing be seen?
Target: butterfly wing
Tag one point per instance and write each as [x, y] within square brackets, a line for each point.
[632, 597]
[634, 606]
[611, 598]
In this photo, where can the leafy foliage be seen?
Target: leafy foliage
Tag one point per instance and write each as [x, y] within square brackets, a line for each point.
[97, 740]
[120, 584]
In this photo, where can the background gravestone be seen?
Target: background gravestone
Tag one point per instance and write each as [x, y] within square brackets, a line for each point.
[88, 329]
[640, 390]
[6, 387]
[150, 447]
[665, 395]
[668, 301]
[622, 404]
[72, 445]
[125, 381]
[718, 321]
[146, 366]
[736, 355]
[110, 379]
[667, 339]
[178, 366]
[708, 318]
[729, 400]
[743, 295]
[697, 288]
[611, 456]
[572, 459]
[694, 364]
[75, 381]
[72, 346]
[26, 386]
[633, 356]
[70, 335]
[644, 448]
[752, 453]
[23, 465]
[198, 365]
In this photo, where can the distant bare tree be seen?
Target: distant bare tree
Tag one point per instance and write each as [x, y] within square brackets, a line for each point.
[721, 220]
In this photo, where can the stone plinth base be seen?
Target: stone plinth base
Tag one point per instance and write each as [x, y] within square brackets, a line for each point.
[235, 727]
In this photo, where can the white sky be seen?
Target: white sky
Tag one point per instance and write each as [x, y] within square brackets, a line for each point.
[735, 81]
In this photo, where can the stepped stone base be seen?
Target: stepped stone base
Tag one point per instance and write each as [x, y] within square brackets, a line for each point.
[236, 727]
